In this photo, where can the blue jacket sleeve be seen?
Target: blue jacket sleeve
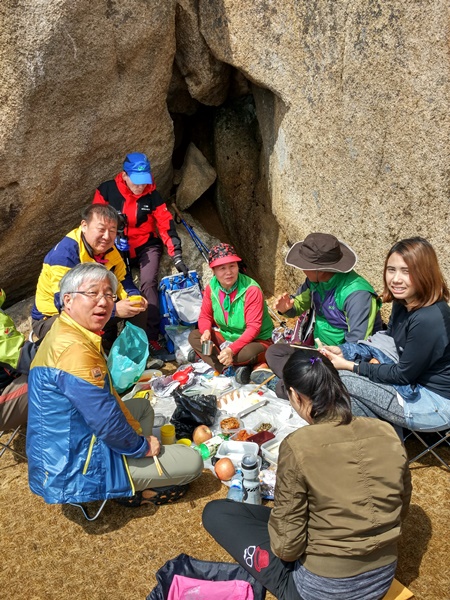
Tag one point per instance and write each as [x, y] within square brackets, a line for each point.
[103, 415]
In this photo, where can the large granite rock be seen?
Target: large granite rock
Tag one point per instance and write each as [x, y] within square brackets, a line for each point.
[197, 176]
[353, 114]
[348, 134]
[83, 83]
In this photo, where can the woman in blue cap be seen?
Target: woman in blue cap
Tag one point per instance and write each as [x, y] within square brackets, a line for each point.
[148, 224]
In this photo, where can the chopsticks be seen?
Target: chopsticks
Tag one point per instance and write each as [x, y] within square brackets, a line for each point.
[158, 466]
[263, 383]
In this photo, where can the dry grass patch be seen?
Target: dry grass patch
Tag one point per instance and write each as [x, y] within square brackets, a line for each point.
[49, 552]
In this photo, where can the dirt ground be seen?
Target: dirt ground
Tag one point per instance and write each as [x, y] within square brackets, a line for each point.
[49, 552]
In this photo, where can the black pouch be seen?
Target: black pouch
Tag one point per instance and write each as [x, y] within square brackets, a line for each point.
[201, 569]
[192, 411]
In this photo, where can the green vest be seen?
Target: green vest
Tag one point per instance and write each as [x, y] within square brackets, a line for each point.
[236, 325]
[329, 299]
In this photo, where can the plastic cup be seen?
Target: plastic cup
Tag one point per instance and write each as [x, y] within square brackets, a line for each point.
[168, 435]
[184, 441]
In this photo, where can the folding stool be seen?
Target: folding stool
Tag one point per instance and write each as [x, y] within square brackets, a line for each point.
[443, 441]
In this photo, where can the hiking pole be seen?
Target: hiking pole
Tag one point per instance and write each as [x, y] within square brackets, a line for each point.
[122, 244]
[201, 247]
[274, 316]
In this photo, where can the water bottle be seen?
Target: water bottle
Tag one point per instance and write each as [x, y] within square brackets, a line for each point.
[250, 483]
[209, 448]
[236, 491]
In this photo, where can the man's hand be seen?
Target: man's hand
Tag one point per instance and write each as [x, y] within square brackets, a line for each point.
[226, 357]
[179, 264]
[284, 303]
[154, 446]
[126, 309]
[206, 335]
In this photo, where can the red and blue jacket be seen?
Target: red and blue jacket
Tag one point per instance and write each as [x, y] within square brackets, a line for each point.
[148, 218]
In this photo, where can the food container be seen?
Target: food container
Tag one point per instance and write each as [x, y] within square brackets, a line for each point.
[149, 374]
[271, 449]
[236, 450]
[264, 425]
[240, 403]
[230, 424]
[168, 434]
[238, 436]
[261, 438]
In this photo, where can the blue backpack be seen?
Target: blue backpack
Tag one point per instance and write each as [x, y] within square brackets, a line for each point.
[180, 301]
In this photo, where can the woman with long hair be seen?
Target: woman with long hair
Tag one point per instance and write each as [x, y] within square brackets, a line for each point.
[342, 490]
[413, 389]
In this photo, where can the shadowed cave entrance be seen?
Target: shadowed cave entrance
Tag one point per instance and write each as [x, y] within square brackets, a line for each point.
[236, 208]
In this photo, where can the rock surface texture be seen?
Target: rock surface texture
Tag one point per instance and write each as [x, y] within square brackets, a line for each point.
[329, 116]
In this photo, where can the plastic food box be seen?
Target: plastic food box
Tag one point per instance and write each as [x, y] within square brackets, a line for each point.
[239, 403]
[261, 437]
[149, 374]
[231, 431]
[236, 450]
[250, 433]
[270, 450]
[264, 422]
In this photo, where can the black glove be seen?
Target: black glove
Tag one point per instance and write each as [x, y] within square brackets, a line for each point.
[180, 266]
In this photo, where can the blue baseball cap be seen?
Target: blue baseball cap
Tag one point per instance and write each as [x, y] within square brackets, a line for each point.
[137, 167]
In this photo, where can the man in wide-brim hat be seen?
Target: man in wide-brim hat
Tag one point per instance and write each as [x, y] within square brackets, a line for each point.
[345, 304]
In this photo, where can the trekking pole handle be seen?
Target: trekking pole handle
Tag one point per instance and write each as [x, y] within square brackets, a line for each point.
[177, 212]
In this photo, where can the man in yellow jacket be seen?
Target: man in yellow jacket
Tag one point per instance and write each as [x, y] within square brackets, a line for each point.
[93, 241]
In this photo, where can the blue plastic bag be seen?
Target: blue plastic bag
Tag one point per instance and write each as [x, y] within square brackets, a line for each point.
[128, 357]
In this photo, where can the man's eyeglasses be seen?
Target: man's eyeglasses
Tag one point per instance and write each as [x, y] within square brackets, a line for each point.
[97, 296]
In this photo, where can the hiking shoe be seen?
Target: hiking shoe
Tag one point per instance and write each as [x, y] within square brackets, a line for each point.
[242, 374]
[192, 356]
[163, 495]
[158, 351]
[154, 363]
[259, 375]
[229, 372]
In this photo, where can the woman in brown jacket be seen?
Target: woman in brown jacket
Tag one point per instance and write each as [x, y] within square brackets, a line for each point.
[343, 488]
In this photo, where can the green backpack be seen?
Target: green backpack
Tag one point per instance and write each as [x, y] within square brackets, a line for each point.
[11, 340]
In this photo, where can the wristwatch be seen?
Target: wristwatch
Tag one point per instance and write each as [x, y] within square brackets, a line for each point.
[356, 366]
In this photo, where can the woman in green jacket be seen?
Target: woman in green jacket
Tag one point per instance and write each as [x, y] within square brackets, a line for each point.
[234, 316]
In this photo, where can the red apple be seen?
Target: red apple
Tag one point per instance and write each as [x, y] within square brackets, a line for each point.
[201, 434]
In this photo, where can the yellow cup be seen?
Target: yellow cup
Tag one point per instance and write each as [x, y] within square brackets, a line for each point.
[135, 299]
[184, 441]
[168, 435]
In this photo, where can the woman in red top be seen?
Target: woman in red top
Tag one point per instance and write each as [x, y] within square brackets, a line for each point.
[234, 316]
[148, 224]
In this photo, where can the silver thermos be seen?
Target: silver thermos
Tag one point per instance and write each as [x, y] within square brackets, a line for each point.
[250, 483]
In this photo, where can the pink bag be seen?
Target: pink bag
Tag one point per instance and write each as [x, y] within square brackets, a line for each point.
[186, 588]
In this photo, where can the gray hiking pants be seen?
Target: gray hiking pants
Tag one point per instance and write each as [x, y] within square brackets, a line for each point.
[180, 463]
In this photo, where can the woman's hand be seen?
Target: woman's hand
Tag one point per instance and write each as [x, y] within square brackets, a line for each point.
[154, 446]
[333, 349]
[339, 362]
[226, 357]
[206, 335]
[284, 303]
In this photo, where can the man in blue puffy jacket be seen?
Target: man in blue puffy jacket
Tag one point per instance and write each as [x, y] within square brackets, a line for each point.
[83, 442]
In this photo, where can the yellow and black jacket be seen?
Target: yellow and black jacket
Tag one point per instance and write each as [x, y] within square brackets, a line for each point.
[70, 251]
